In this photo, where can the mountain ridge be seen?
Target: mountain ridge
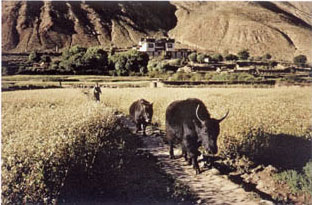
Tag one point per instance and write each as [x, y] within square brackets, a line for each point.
[283, 29]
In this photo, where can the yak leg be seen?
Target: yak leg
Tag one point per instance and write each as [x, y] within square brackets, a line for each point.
[193, 160]
[195, 164]
[171, 150]
[138, 127]
[184, 154]
[189, 161]
[143, 128]
[192, 149]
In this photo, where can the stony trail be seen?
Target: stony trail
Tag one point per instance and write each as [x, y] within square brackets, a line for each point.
[210, 187]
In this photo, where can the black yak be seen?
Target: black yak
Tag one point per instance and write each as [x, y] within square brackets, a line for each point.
[141, 111]
[188, 122]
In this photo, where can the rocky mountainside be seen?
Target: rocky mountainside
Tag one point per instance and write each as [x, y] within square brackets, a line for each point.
[283, 29]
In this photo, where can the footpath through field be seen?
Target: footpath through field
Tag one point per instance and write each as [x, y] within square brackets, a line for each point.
[210, 186]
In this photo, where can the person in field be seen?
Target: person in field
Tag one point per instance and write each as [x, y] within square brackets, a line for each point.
[96, 92]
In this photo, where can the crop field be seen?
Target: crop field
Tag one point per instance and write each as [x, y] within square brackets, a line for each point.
[44, 134]
[281, 110]
[45, 129]
[259, 119]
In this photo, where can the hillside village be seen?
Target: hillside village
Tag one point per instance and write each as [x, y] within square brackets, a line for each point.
[165, 57]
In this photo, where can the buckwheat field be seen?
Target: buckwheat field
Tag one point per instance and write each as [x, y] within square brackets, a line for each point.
[45, 131]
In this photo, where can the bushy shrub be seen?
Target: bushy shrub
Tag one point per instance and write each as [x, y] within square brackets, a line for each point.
[209, 76]
[192, 57]
[5, 71]
[298, 182]
[159, 66]
[300, 60]
[176, 62]
[272, 64]
[33, 57]
[200, 58]
[196, 77]
[267, 56]
[45, 58]
[243, 55]
[231, 57]
[181, 76]
[217, 58]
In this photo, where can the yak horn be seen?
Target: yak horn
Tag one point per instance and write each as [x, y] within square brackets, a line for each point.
[197, 114]
[224, 116]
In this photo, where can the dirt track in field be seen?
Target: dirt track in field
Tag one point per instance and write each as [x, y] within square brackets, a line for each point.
[209, 187]
[151, 177]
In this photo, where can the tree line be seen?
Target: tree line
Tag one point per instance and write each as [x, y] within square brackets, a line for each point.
[79, 60]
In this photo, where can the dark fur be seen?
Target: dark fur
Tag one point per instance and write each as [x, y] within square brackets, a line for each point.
[141, 111]
[183, 127]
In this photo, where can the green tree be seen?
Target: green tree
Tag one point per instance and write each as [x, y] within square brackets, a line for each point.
[46, 59]
[217, 57]
[243, 55]
[72, 60]
[192, 57]
[128, 62]
[34, 57]
[267, 56]
[200, 58]
[80, 60]
[272, 64]
[120, 66]
[231, 57]
[159, 66]
[96, 58]
[300, 60]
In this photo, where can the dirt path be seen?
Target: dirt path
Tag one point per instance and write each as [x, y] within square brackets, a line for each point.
[149, 176]
[210, 186]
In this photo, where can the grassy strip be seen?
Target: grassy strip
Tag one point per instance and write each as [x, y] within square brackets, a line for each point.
[44, 135]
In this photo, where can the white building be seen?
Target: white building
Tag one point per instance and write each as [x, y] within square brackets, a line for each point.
[155, 47]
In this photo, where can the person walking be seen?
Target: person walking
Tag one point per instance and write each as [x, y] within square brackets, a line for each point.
[96, 92]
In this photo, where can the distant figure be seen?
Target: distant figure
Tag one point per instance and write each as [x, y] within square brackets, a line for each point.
[96, 92]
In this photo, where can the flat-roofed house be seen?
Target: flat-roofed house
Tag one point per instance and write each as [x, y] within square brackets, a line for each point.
[147, 45]
[155, 47]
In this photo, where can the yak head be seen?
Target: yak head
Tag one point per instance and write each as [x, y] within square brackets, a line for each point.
[208, 131]
[147, 111]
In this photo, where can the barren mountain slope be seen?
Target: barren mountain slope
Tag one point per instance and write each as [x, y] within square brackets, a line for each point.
[31, 25]
[280, 28]
[283, 29]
